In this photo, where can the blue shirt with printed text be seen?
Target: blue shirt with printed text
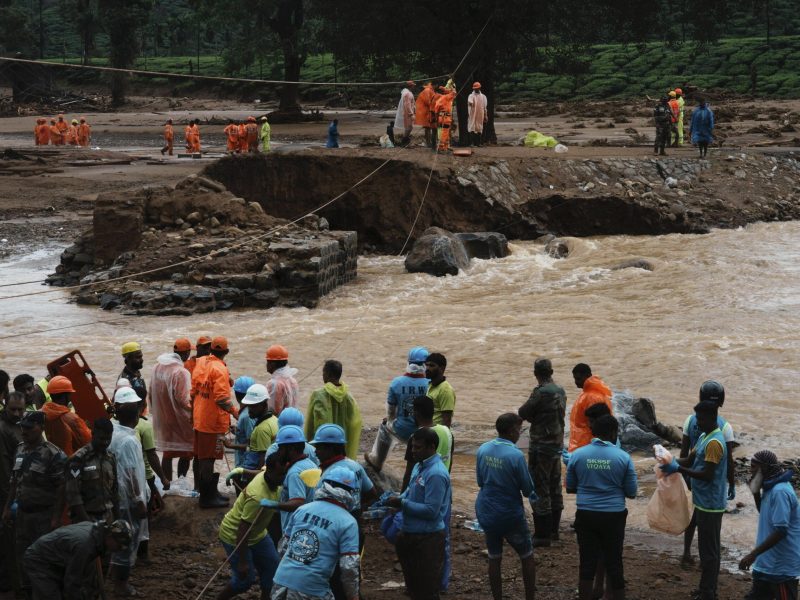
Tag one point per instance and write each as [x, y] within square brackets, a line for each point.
[427, 498]
[602, 475]
[779, 512]
[402, 392]
[318, 533]
[502, 475]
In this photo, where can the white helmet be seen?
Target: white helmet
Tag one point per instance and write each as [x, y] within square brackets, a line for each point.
[256, 394]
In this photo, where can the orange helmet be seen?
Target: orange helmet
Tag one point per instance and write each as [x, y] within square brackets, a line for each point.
[60, 385]
[679, 91]
[476, 85]
[277, 352]
[251, 119]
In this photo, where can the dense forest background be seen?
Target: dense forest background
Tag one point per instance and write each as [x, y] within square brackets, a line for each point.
[528, 50]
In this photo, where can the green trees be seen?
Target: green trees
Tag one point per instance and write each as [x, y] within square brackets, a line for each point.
[122, 20]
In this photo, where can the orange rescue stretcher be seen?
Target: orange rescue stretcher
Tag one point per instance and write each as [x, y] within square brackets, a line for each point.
[89, 399]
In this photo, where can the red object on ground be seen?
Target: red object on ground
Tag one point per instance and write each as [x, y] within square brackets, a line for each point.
[89, 399]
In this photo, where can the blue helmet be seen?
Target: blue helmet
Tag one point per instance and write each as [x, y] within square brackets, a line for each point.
[242, 383]
[290, 416]
[418, 355]
[341, 476]
[291, 434]
[329, 434]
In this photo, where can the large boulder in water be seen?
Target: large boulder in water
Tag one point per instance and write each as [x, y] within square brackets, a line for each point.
[437, 252]
[484, 244]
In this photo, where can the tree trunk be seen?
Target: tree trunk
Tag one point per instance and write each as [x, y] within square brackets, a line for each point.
[292, 63]
[287, 23]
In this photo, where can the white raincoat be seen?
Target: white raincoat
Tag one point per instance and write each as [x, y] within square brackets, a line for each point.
[283, 389]
[477, 103]
[406, 108]
[170, 404]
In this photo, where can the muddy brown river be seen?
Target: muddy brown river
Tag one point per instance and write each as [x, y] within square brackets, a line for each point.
[724, 306]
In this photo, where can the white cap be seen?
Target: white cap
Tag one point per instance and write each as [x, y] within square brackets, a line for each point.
[256, 394]
[125, 395]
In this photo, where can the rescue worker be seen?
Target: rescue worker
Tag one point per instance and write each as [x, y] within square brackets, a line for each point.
[319, 537]
[72, 133]
[333, 403]
[243, 533]
[440, 390]
[63, 128]
[213, 408]
[171, 408]
[37, 487]
[169, 136]
[593, 392]
[84, 133]
[187, 136]
[242, 141]
[251, 134]
[134, 361]
[244, 424]
[283, 387]
[36, 141]
[63, 565]
[776, 557]
[701, 130]
[202, 348]
[675, 110]
[444, 115]
[478, 114]
[333, 134]
[434, 121]
[706, 465]
[662, 115]
[265, 429]
[231, 132]
[502, 476]
[63, 427]
[681, 103]
[10, 438]
[422, 115]
[329, 442]
[56, 137]
[404, 118]
[196, 149]
[711, 391]
[131, 484]
[265, 134]
[421, 542]
[42, 133]
[91, 488]
[399, 423]
[302, 474]
[34, 395]
[601, 514]
[545, 410]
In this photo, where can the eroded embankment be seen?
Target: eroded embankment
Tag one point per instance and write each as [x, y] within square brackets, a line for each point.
[521, 196]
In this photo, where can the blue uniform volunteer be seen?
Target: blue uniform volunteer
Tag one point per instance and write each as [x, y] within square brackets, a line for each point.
[317, 537]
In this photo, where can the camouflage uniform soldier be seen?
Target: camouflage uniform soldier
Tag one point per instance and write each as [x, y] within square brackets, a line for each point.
[37, 486]
[545, 410]
[91, 478]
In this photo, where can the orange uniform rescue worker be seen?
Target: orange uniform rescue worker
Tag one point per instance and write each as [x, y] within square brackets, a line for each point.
[251, 134]
[84, 133]
[675, 107]
[169, 135]
[242, 145]
[424, 109]
[63, 127]
[213, 408]
[444, 111]
[56, 137]
[231, 132]
[594, 392]
[72, 133]
[63, 427]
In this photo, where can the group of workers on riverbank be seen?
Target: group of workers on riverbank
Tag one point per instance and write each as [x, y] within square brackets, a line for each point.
[669, 115]
[240, 137]
[433, 110]
[304, 470]
[61, 133]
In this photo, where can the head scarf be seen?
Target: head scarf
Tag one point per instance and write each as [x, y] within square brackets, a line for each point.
[769, 464]
[326, 491]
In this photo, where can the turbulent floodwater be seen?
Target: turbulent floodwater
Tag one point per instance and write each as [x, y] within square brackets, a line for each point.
[723, 306]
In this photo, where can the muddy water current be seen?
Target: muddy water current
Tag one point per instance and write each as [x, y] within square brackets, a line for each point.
[724, 305]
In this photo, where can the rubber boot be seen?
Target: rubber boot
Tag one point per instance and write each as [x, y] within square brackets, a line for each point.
[542, 529]
[220, 495]
[208, 494]
[556, 524]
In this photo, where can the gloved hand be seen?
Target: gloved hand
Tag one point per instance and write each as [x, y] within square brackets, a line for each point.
[232, 474]
[565, 456]
[731, 492]
[670, 468]
[267, 503]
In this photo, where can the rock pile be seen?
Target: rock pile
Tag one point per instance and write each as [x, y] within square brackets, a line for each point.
[199, 248]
